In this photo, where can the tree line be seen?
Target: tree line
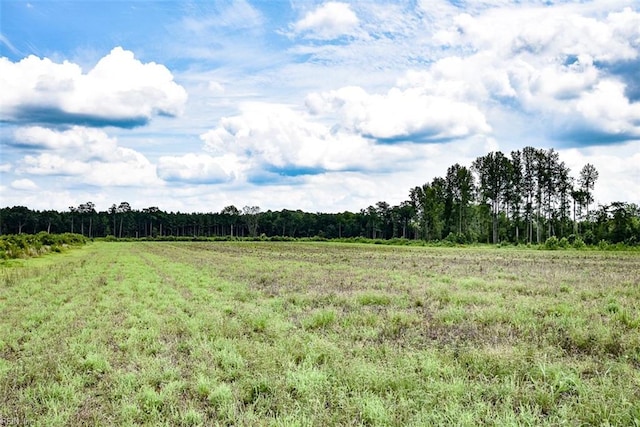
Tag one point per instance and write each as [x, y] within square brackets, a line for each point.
[527, 196]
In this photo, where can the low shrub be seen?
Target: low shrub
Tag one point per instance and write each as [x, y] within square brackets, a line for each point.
[552, 243]
[578, 243]
[28, 245]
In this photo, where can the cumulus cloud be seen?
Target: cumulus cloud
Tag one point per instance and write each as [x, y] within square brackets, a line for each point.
[119, 91]
[281, 140]
[24, 185]
[329, 21]
[413, 115]
[53, 164]
[619, 171]
[198, 168]
[75, 137]
[89, 156]
[570, 69]
[604, 114]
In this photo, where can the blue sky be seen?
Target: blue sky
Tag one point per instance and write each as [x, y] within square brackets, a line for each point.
[313, 105]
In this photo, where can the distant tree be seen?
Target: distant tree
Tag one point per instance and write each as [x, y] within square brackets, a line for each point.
[515, 191]
[49, 217]
[113, 210]
[403, 213]
[72, 211]
[251, 217]
[461, 188]
[86, 209]
[493, 174]
[372, 220]
[18, 217]
[579, 198]
[622, 222]
[231, 213]
[564, 185]
[556, 189]
[587, 180]
[428, 202]
[529, 187]
[150, 215]
[281, 222]
[385, 222]
[418, 202]
[123, 209]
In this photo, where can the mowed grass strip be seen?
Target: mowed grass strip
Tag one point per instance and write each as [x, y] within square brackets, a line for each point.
[258, 333]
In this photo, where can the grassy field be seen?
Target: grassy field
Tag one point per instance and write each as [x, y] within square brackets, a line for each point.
[241, 333]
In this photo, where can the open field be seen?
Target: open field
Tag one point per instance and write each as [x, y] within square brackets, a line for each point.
[319, 334]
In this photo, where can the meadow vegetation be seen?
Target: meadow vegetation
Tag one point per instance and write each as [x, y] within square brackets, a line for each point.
[319, 333]
[30, 245]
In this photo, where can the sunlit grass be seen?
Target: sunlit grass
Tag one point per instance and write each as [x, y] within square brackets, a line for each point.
[241, 333]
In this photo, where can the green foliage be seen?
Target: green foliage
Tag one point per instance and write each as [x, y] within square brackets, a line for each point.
[320, 319]
[552, 243]
[29, 245]
[589, 238]
[457, 238]
[578, 243]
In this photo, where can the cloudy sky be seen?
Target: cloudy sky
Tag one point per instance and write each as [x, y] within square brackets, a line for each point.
[320, 106]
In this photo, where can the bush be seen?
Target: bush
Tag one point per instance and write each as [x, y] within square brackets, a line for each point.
[26, 245]
[552, 243]
[589, 238]
[578, 243]
[457, 238]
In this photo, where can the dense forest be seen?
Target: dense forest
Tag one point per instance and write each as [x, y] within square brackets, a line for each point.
[526, 197]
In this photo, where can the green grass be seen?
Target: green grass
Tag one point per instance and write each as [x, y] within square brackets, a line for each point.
[281, 333]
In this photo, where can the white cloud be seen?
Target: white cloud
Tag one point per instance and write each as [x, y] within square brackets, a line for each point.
[542, 32]
[128, 168]
[73, 138]
[619, 170]
[198, 168]
[608, 109]
[90, 156]
[564, 82]
[53, 164]
[329, 21]
[551, 64]
[411, 114]
[24, 185]
[120, 90]
[281, 140]
[5, 167]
